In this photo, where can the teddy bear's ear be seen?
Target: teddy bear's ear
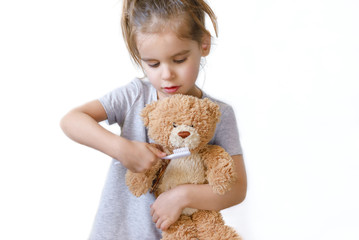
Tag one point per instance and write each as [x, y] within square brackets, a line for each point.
[145, 113]
[213, 108]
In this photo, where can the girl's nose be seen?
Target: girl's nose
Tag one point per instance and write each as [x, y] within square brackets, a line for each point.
[167, 73]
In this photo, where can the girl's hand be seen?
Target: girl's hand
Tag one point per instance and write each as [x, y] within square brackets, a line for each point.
[137, 156]
[168, 207]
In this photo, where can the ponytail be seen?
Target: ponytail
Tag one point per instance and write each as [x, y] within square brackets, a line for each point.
[197, 8]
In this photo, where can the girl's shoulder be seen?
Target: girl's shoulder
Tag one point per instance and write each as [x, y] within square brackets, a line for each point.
[142, 83]
[226, 134]
[129, 98]
[137, 88]
[138, 85]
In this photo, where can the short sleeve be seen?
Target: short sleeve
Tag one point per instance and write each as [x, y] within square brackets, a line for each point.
[227, 135]
[119, 102]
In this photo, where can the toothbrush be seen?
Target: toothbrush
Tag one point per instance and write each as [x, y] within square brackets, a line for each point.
[179, 152]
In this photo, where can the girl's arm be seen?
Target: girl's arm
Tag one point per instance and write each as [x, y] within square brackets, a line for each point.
[81, 125]
[169, 205]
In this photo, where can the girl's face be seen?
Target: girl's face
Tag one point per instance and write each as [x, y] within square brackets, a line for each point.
[171, 64]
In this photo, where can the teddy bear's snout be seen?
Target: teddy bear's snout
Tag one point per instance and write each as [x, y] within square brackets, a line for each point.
[184, 134]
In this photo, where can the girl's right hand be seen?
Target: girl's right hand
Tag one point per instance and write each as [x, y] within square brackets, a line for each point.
[81, 125]
[138, 156]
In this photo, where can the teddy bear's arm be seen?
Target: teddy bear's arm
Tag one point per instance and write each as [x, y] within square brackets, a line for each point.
[220, 172]
[140, 183]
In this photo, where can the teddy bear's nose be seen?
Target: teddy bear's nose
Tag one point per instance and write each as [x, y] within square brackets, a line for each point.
[184, 134]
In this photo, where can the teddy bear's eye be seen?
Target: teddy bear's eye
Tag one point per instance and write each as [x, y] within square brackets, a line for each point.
[174, 125]
[192, 125]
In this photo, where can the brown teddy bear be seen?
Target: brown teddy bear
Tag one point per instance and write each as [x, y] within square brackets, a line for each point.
[185, 121]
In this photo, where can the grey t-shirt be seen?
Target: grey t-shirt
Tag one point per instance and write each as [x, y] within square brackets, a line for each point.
[122, 216]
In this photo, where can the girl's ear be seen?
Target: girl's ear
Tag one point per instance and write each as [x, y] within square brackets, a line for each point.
[206, 45]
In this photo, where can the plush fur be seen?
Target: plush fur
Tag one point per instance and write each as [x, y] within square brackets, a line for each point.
[186, 121]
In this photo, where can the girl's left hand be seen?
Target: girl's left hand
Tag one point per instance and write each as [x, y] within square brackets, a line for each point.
[168, 207]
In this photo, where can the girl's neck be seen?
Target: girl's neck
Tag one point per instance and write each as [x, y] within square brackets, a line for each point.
[196, 92]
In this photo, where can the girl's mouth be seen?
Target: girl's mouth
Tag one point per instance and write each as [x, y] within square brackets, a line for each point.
[171, 89]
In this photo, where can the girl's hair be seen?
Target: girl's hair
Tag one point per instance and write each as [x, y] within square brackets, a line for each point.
[186, 18]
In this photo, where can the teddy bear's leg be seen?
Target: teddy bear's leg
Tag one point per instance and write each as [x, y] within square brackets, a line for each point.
[182, 229]
[210, 226]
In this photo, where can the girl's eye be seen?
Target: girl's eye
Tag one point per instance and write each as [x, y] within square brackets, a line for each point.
[154, 65]
[180, 60]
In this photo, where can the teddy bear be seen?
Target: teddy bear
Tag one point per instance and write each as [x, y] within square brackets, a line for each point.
[186, 121]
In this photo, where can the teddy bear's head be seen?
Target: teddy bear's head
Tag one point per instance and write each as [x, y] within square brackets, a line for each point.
[181, 121]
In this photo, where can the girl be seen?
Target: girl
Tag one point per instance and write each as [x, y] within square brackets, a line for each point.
[167, 39]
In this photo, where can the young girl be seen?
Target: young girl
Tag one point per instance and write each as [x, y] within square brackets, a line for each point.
[167, 39]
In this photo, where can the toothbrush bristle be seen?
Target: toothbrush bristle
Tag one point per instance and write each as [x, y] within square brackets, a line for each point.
[180, 150]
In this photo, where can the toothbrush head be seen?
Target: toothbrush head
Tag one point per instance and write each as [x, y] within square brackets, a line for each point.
[179, 152]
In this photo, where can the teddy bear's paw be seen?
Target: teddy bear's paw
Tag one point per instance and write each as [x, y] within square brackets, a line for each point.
[138, 191]
[211, 226]
[183, 229]
[137, 183]
[224, 233]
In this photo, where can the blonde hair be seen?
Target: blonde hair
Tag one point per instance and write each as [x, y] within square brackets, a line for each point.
[185, 17]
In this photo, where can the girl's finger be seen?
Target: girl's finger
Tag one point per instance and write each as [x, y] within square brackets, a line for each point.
[159, 223]
[151, 210]
[165, 225]
[155, 218]
[156, 151]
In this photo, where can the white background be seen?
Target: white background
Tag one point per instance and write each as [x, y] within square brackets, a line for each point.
[289, 68]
